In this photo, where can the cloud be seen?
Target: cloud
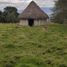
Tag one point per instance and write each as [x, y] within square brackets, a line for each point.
[40, 2]
[21, 4]
[14, 1]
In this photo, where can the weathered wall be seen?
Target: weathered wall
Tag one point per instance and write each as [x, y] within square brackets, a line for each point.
[23, 22]
[39, 22]
[36, 22]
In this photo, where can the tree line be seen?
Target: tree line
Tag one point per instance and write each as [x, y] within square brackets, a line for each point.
[60, 12]
[9, 15]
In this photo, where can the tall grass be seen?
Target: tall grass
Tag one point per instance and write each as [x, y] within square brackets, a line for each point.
[38, 46]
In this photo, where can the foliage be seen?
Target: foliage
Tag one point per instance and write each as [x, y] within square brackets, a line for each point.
[0, 16]
[10, 14]
[60, 11]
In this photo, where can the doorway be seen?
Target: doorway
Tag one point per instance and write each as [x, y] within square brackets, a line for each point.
[30, 22]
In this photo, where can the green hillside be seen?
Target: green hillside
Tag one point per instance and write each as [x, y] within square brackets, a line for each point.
[42, 46]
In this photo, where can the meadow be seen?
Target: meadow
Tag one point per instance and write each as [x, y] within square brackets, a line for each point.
[38, 46]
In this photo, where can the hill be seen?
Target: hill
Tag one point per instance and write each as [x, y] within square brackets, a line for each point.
[42, 46]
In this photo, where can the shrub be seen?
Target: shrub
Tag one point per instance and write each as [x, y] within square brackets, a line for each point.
[62, 65]
[10, 46]
[9, 64]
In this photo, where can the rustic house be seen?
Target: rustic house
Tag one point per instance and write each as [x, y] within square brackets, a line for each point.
[33, 15]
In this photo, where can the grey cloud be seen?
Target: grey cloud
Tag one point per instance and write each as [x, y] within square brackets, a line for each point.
[22, 4]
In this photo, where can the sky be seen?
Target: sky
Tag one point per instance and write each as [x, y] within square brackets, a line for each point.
[22, 4]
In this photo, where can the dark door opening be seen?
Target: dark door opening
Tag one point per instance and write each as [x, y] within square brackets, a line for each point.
[30, 22]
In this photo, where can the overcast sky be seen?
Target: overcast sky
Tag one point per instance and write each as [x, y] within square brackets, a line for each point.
[21, 4]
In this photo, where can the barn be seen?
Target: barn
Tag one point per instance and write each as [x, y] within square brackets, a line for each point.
[33, 16]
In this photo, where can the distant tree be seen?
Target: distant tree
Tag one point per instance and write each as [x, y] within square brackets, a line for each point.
[60, 11]
[0, 16]
[10, 14]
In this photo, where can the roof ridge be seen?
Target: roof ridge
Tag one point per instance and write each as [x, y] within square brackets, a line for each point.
[33, 11]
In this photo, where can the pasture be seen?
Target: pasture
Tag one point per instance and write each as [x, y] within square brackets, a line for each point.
[41, 46]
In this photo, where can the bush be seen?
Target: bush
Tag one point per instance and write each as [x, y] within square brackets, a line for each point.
[10, 46]
[62, 65]
[9, 64]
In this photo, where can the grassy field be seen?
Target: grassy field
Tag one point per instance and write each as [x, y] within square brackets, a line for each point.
[42, 46]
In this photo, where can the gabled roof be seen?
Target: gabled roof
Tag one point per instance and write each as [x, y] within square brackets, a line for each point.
[33, 11]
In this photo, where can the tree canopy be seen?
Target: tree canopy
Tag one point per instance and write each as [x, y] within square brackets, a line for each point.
[60, 11]
[10, 14]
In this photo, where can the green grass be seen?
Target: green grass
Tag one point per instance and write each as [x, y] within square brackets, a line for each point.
[41, 46]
